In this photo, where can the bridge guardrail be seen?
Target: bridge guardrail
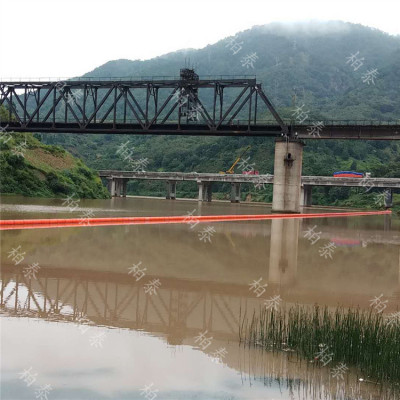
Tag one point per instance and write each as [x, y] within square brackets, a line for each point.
[125, 78]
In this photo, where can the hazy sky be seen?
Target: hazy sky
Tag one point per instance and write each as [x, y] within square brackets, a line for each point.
[64, 38]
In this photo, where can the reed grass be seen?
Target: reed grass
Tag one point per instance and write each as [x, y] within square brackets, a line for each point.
[358, 338]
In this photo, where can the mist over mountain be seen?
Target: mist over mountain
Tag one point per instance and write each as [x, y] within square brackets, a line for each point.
[324, 64]
[310, 60]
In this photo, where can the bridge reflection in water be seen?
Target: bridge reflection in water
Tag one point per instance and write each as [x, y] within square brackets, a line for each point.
[186, 305]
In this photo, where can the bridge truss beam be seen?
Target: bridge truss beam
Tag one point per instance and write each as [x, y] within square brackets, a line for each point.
[179, 107]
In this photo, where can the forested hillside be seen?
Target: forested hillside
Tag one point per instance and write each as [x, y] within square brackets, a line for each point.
[31, 168]
[311, 61]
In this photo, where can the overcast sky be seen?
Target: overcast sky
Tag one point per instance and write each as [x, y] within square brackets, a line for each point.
[65, 38]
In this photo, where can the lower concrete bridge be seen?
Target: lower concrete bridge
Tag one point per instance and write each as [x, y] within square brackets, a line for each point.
[117, 183]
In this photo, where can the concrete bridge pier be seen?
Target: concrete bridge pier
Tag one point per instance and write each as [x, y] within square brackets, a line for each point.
[171, 190]
[117, 187]
[306, 196]
[235, 193]
[205, 191]
[124, 187]
[111, 186]
[287, 175]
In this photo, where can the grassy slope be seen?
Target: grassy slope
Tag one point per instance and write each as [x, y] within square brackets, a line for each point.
[45, 171]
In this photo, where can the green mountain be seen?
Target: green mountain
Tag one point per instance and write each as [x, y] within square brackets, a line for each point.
[325, 65]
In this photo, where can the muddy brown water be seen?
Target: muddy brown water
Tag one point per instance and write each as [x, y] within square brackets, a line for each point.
[137, 311]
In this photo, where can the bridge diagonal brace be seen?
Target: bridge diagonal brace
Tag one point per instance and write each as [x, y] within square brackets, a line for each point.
[203, 111]
[136, 103]
[162, 107]
[40, 105]
[53, 107]
[103, 100]
[11, 105]
[69, 106]
[24, 110]
[252, 90]
[285, 129]
[169, 112]
[80, 109]
[111, 107]
[125, 94]
[231, 106]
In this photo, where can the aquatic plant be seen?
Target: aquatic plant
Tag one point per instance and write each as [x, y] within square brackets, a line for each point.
[366, 340]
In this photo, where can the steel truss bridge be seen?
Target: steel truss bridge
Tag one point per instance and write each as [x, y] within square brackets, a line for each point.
[188, 105]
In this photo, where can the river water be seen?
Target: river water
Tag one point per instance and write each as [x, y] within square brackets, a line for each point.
[153, 311]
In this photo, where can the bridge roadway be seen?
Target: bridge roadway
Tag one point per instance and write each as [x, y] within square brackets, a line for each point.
[118, 180]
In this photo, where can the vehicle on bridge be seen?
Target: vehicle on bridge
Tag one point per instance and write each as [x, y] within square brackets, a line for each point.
[231, 170]
[351, 174]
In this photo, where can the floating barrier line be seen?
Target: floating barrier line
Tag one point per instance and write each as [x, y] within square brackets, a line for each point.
[69, 222]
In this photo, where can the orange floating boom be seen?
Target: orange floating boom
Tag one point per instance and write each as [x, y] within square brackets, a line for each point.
[70, 222]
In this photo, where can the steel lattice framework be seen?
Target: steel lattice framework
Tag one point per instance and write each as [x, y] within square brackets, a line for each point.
[186, 105]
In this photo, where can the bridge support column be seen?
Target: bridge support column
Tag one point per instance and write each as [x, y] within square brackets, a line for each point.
[171, 190]
[205, 191]
[111, 186]
[124, 185]
[306, 196]
[235, 192]
[118, 187]
[287, 175]
[388, 198]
